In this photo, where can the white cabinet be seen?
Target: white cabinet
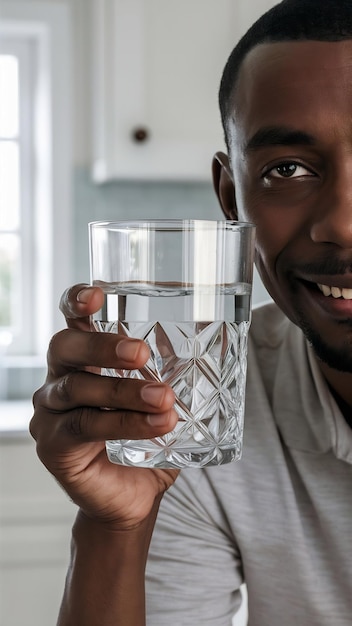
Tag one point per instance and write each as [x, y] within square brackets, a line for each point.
[157, 65]
[35, 529]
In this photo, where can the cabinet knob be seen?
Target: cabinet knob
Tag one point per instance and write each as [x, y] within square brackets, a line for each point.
[140, 134]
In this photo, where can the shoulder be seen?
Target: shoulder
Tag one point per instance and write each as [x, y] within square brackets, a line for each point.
[269, 326]
[276, 347]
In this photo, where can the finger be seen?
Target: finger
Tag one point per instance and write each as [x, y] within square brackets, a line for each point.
[73, 349]
[86, 389]
[78, 303]
[89, 424]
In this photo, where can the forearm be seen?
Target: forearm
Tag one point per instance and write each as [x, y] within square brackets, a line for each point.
[105, 581]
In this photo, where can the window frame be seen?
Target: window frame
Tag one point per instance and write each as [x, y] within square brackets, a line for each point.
[47, 27]
[23, 50]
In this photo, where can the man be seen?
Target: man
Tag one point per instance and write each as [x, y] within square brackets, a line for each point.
[280, 518]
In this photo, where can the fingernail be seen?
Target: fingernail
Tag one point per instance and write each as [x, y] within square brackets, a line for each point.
[84, 295]
[153, 395]
[128, 349]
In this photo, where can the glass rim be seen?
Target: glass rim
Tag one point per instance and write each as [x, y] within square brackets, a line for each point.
[172, 223]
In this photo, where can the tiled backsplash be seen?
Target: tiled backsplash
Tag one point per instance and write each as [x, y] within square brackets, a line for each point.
[138, 200]
[134, 200]
[121, 200]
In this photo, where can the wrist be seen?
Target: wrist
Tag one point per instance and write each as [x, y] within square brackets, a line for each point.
[105, 582]
[87, 528]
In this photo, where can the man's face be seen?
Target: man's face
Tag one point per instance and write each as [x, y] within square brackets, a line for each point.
[291, 156]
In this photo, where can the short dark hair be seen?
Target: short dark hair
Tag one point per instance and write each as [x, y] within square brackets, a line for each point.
[290, 20]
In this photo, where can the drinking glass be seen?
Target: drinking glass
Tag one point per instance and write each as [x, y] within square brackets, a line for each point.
[184, 287]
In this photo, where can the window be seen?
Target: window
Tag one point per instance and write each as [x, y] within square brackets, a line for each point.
[35, 193]
[17, 263]
[9, 189]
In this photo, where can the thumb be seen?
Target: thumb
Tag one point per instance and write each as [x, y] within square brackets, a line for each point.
[78, 303]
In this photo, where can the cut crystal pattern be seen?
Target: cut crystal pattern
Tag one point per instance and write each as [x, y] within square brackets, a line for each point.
[205, 363]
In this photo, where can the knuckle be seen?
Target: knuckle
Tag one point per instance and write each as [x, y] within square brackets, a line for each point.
[32, 427]
[65, 388]
[116, 390]
[124, 422]
[57, 340]
[37, 401]
[36, 397]
[78, 422]
[93, 340]
[61, 350]
[38, 427]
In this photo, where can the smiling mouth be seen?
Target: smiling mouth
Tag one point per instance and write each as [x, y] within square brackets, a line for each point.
[335, 292]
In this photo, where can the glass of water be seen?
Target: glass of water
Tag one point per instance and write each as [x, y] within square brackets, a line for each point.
[184, 287]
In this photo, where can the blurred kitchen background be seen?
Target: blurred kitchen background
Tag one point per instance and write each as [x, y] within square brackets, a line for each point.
[108, 110]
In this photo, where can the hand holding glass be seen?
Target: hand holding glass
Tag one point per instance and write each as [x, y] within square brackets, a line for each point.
[184, 287]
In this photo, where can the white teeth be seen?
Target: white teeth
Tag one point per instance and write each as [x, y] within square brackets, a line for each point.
[336, 292]
[347, 294]
[325, 289]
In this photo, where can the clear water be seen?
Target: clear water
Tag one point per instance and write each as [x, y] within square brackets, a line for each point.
[204, 362]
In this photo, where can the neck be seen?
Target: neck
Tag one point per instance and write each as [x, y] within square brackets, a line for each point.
[340, 384]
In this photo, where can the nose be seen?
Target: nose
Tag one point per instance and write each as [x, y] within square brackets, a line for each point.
[332, 221]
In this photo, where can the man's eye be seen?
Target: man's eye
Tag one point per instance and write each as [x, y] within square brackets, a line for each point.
[288, 170]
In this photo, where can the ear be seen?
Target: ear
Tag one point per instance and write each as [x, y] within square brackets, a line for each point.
[224, 186]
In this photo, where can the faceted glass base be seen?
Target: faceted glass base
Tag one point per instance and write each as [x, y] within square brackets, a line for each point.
[171, 457]
[205, 363]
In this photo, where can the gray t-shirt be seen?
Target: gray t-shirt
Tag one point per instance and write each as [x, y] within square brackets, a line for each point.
[279, 520]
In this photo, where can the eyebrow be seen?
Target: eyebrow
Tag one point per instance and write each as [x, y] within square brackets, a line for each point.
[278, 136]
